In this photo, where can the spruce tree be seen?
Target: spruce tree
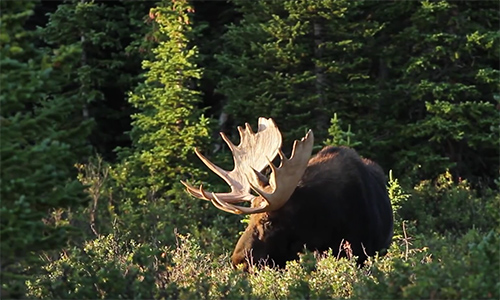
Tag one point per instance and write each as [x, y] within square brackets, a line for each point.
[440, 87]
[169, 123]
[168, 126]
[40, 144]
[98, 58]
[296, 61]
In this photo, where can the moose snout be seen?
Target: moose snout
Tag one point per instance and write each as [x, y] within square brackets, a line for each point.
[239, 263]
[242, 251]
[249, 250]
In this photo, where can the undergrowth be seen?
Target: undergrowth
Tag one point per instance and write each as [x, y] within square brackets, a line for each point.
[456, 262]
[463, 269]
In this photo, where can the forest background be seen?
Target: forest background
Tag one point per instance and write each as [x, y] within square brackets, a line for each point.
[103, 102]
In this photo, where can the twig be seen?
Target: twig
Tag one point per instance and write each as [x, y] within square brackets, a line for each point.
[406, 241]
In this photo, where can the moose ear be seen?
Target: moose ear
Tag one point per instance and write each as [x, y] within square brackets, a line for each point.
[261, 179]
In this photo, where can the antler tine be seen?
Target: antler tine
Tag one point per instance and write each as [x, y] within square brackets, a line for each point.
[231, 197]
[238, 187]
[299, 146]
[249, 128]
[228, 142]
[238, 210]
[284, 179]
[222, 205]
[217, 170]
[193, 191]
[282, 157]
[245, 134]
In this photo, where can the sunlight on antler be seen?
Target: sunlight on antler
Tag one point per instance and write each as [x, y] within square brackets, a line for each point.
[254, 153]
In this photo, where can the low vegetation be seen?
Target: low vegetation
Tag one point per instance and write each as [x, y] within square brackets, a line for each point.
[421, 263]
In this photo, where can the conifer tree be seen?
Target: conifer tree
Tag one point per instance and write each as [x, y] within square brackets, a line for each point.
[94, 43]
[169, 123]
[282, 60]
[168, 126]
[40, 143]
[440, 87]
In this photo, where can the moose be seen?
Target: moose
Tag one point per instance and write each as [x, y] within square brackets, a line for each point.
[308, 203]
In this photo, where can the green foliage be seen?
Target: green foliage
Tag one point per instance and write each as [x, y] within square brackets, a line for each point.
[152, 221]
[41, 142]
[339, 136]
[278, 62]
[95, 218]
[168, 125]
[431, 104]
[103, 268]
[461, 269]
[330, 278]
[110, 268]
[396, 193]
[444, 116]
[399, 198]
[167, 128]
[98, 65]
[445, 206]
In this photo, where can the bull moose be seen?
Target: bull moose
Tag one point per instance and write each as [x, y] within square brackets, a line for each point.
[313, 203]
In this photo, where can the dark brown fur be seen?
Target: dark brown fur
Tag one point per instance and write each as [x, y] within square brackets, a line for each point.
[341, 197]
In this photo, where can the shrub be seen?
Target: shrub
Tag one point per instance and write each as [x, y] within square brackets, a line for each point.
[445, 206]
[102, 268]
[463, 269]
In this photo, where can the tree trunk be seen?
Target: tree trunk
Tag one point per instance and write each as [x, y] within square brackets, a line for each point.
[85, 108]
[320, 114]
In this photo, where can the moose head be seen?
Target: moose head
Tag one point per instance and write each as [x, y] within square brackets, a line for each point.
[314, 203]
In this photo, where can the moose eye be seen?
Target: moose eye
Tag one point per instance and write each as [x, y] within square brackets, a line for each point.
[267, 226]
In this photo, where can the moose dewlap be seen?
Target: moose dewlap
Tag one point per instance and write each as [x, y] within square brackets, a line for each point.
[314, 203]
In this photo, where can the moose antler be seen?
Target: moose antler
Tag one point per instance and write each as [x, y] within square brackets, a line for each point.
[251, 156]
[252, 153]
